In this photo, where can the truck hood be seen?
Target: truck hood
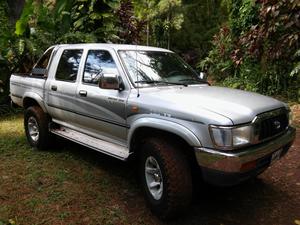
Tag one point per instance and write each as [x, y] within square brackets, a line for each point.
[236, 105]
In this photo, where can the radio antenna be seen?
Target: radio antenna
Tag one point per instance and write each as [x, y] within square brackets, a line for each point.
[137, 73]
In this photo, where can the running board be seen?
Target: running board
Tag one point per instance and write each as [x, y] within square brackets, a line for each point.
[102, 146]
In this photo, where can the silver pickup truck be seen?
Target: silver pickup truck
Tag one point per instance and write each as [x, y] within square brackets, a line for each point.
[147, 104]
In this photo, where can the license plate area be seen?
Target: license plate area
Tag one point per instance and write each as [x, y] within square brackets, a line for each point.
[276, 155]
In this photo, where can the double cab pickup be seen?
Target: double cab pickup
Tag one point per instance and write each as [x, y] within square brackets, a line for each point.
[146, 104]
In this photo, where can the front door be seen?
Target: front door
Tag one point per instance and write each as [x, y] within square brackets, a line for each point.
[101, 112]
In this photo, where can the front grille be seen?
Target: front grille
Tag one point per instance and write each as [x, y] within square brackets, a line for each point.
[272, 126]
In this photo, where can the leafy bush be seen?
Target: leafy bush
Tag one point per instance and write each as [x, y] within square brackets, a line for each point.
[219, 62]
[44, 23]
[130, 27]
[259, 49]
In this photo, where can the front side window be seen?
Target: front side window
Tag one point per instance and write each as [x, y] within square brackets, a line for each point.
[98, 62]
[158, 68]
[67, 69]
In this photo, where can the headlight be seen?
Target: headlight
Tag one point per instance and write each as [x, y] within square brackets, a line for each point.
[228, 138]
[222, 137]
[241, 135]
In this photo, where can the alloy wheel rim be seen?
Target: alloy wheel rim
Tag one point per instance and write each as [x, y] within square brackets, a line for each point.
[154, 178]
[33, 129]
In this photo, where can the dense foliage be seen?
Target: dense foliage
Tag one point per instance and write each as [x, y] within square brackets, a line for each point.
[248, 44]
[258, 49]
[8, 47]
[130, 27]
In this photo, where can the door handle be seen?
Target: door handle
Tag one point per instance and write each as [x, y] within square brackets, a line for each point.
[54, 88]
[83, 93]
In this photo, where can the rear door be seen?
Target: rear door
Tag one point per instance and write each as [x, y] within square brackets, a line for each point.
[61, 86]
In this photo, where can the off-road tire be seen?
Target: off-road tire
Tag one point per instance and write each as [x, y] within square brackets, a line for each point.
[42, 120]
[176, 174]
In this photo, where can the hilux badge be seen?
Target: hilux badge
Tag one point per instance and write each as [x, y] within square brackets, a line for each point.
[277, 124]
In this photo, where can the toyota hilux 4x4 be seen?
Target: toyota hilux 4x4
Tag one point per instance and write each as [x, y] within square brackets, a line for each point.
[146, 103]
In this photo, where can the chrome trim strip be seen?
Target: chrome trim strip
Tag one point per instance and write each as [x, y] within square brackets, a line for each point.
[90, 116]
[17, 96]
[269, 114]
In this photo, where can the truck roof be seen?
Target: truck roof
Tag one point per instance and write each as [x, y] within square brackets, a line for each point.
[116, 47]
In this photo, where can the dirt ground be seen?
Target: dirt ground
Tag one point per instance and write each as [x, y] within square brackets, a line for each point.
[296, 115]
[75, 185]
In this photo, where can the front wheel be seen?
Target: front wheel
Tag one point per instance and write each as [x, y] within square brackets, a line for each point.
[36, 127]
[166, 178]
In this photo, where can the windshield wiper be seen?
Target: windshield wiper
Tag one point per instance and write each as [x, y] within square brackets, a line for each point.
[159, 82]
[195, 80]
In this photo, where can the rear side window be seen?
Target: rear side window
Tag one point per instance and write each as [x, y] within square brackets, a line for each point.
[42, 64]
[67, 69]
[98, 62]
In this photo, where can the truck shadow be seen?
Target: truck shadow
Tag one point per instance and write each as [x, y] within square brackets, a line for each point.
[232, 205]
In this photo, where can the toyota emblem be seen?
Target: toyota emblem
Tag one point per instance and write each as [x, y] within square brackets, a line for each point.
[277, 124]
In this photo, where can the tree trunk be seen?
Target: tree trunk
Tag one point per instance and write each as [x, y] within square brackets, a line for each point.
[169, 26]
[147, 32]
[148, 23]
[15, 10]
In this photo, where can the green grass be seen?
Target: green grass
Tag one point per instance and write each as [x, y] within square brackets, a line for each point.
[68, 184]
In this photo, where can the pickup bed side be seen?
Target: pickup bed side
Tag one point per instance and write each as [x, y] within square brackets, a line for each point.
[26, 90]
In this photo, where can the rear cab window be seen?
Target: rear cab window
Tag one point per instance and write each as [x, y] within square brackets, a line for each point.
[67, 69]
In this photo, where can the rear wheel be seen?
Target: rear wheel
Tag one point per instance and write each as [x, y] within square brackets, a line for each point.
[166, 178]
[36, 127]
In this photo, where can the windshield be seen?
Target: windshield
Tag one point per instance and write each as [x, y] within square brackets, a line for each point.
[158, 68]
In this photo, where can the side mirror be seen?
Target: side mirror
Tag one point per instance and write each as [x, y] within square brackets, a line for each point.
[110, 81]
[39, 72]
[203, 76]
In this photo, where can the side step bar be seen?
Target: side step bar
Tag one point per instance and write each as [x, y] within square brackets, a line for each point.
[102, 146]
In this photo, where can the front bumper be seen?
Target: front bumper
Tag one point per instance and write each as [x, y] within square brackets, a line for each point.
[229, 168]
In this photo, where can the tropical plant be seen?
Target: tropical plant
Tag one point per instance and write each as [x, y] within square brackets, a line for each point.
[44, 23]
[129, 26]
[95, 19]
[7, 47]
[202, 20]
[261, 47]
